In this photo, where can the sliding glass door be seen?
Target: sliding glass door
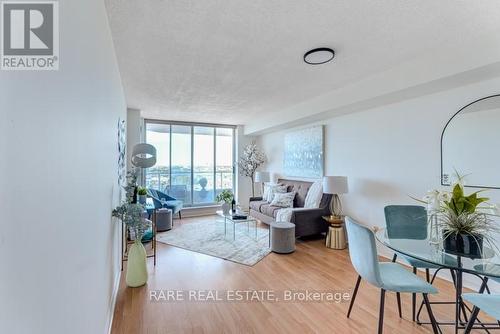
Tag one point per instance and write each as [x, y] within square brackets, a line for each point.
[224, 159]
[203, 162]
[195, 161]
[180, 164]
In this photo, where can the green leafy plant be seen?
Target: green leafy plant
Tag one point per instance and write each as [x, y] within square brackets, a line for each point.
[461, 214]
[225, 196]
[142, 191]
[466, 223]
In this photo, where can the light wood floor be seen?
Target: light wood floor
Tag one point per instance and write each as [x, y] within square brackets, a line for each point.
[312, 266]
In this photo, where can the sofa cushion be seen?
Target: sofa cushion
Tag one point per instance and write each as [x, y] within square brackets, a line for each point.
[314, 195]
[255, 205]
[283, 200]
[300, 187]
[275, 189]
[269, 210]
[267, 188]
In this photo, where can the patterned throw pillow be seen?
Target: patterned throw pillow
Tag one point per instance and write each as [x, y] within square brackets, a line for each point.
[275, 189]
[283, 200]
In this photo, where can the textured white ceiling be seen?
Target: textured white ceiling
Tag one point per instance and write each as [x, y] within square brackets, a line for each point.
[236, 61]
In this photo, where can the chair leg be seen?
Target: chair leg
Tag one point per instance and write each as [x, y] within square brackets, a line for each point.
[413, 299]
[453, 278]
[354, 296]
[484, 286]
[472, 319]
[427, 275]
[435, 328]
[422, 304]
[381, 312]
[398, 297]
[180, 217]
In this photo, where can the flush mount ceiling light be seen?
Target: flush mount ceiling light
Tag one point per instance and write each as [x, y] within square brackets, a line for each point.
[319, 56]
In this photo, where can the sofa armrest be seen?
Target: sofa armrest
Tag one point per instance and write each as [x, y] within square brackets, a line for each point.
[257, 198]
[300, 214]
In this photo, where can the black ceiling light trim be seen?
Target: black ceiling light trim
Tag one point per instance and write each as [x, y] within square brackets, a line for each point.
[327, 52]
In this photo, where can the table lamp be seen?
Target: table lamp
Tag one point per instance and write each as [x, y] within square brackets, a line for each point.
[335, 185]
[262, 177]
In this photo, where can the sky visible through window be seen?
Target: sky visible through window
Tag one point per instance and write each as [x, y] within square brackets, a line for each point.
[204, 144]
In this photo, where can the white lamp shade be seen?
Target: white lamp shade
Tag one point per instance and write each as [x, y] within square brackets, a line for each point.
[144, 155]
[262, 177]
[335, 185]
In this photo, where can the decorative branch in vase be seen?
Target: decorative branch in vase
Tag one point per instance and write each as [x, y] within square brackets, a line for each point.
[130, 213]
[459, 220]
[251, 159]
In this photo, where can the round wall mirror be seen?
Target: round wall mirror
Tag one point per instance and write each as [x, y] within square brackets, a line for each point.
[470, 144]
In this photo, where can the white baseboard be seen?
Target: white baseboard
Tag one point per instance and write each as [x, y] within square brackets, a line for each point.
[199, 211]
[114, 295]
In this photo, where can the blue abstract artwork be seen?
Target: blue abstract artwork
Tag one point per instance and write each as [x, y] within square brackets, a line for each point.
[303, 155]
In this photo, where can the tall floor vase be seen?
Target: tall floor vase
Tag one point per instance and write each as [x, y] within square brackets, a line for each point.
[137, 271]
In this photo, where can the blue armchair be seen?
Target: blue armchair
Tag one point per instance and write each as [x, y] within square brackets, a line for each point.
[171, 203]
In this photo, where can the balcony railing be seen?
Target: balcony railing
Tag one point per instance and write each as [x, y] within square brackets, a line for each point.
[180, 186]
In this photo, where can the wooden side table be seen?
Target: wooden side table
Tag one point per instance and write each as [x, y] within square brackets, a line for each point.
[335, 237]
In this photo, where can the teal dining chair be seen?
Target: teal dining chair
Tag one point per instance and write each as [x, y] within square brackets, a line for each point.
[410, 222]
[388, 276]
[489, 304]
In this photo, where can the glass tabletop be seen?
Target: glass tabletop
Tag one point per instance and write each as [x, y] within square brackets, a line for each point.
[230, 217]
[487, 264]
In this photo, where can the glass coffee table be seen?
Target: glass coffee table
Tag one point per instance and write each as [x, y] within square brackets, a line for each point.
[229, 218]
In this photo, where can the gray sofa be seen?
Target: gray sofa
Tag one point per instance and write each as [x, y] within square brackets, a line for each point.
[307, 221]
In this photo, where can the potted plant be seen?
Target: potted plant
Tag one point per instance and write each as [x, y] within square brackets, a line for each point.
[463, 224]
[142, 195]
[225, 197]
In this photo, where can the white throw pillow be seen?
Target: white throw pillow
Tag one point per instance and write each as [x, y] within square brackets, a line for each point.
[283, 200]
[267, 189]
[274, 189]
[284, 215]
[314, 195]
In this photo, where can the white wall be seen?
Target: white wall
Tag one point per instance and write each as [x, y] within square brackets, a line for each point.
[59, 250]
[390, 152]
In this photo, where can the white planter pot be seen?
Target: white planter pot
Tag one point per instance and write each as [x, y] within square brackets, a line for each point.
[142, 199]
[226, 208]
[137, 271]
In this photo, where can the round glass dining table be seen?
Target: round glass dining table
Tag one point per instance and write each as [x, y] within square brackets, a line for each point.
[485, 266]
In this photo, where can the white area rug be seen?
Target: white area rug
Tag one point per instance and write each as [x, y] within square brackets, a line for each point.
[207, 237]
